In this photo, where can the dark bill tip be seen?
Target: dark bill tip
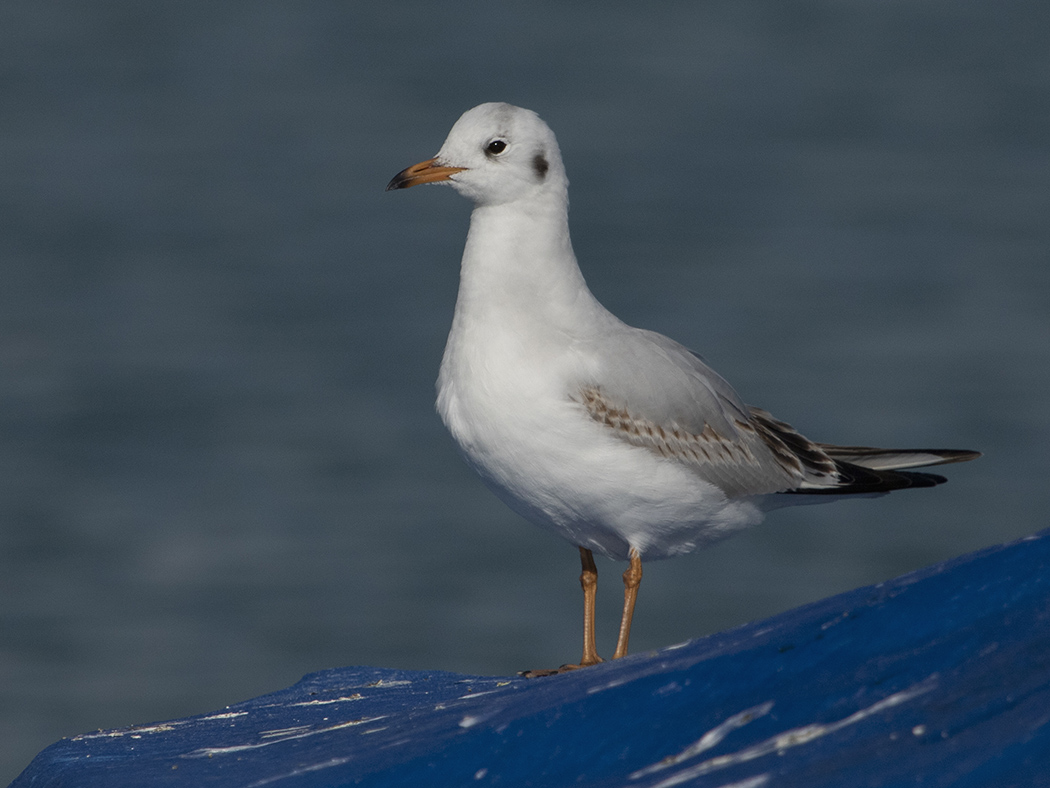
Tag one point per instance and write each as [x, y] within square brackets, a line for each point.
[399, 181]
[428, 171]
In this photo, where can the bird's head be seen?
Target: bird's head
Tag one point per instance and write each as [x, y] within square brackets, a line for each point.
[495, 153]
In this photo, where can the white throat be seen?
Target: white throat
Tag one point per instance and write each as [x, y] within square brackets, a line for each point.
[520, 261]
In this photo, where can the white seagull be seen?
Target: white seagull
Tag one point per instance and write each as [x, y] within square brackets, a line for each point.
[618, 439]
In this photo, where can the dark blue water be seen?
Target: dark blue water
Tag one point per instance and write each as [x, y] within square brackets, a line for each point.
[220, 467]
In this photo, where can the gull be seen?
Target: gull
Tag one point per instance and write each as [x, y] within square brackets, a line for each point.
[617, 439]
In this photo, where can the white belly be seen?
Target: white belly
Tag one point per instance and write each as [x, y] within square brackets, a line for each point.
[544, 456]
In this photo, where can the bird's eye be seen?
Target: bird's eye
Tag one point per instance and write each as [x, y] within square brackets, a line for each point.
[495, 147]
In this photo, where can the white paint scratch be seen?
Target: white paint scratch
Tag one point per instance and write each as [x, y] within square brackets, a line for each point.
[477, 694]
[710, 739]
[355, 696]
[120, 733]
[603, 687]
[229, 715]
[750, 782]
[303, 770]
[277, 738]
[780, 742]
[284, 733]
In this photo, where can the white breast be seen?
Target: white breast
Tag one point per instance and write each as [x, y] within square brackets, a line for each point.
[509, 403]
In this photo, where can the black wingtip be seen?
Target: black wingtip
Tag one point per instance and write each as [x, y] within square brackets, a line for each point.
[855, 480]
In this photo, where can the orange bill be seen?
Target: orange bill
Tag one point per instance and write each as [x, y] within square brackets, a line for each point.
[428, 171]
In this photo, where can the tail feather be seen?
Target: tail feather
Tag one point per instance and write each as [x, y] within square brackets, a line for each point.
[858, 480]
[862, 470]
[896, 459]
[827, 469]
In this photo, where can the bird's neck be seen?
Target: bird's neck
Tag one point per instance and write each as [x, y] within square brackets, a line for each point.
[519, 259]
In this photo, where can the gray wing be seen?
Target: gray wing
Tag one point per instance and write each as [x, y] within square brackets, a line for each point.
[655, 393]
[665, 381]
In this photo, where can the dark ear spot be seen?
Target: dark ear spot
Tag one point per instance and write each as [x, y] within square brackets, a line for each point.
[540, 165]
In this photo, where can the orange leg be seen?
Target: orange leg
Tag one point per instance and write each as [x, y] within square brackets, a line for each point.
[632, 578]
[589, 581]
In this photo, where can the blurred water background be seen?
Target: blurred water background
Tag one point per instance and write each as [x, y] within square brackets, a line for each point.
[220, 466]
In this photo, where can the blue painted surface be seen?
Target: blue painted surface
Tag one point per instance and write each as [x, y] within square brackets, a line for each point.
[940, 677]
